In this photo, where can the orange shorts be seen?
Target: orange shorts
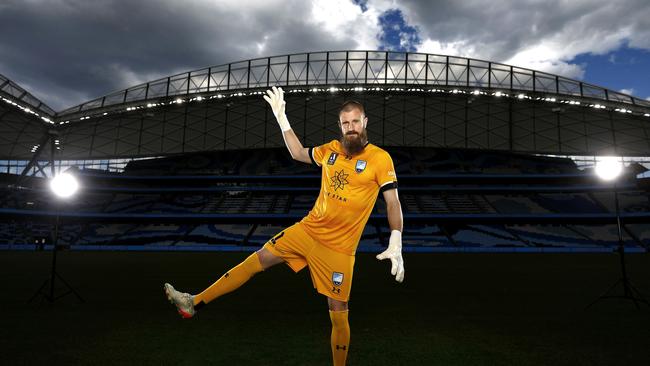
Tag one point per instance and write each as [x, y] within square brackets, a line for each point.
[331, 271]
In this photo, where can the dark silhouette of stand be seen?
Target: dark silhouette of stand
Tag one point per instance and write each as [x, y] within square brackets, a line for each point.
[629, 291]
[47, 288]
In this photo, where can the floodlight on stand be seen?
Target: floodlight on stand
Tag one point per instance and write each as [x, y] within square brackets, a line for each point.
[608, 167]
[64, 185]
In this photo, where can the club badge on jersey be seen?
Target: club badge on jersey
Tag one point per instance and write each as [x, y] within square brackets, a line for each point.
[337, 278]
[361, 165]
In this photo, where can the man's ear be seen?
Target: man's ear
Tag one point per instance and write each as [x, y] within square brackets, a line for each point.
[365, 122]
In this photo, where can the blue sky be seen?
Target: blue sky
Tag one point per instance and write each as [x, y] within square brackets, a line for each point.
[67, 52]
[397, 34]
[625, 68]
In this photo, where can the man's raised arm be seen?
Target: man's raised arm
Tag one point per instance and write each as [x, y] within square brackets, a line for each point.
[275, 97]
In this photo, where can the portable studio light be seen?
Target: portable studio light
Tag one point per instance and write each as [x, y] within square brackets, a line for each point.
[64, 185]
[608, 168]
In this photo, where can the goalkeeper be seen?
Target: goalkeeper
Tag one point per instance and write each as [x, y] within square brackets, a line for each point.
[353, 173]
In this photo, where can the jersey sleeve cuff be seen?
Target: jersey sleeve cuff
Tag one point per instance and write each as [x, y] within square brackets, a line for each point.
[311, 156]
[388, 186]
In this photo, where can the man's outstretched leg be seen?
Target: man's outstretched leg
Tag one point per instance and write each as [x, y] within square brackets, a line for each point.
[340, 338]
[230, 281]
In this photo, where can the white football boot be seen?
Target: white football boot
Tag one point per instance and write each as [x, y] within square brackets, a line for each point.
[184, 302]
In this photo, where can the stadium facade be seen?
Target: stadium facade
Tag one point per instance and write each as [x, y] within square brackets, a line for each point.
[412, 100]
[438, 114]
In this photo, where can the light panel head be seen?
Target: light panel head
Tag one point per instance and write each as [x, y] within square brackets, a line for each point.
[608, 167]
[64, 185]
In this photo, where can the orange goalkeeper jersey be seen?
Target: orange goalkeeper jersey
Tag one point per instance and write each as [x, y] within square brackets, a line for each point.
[349, 189]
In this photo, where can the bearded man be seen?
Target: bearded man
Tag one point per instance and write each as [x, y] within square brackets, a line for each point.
[353, 173]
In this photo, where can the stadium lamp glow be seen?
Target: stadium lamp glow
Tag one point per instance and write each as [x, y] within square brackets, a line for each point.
[608, 167]
[64, 185]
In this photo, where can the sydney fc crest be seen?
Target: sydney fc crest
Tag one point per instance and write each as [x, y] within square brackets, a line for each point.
[361, 165]
[337, 278]
[332, 158]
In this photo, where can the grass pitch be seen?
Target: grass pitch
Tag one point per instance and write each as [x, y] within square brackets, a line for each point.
[452, 309]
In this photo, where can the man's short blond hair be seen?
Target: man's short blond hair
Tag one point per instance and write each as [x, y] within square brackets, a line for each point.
[349, 105]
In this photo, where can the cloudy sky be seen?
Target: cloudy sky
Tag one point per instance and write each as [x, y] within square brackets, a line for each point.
[66, 52]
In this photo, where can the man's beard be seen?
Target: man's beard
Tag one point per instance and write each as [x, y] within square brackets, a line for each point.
[354, 143]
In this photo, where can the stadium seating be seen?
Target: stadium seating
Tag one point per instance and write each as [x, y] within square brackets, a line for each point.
[258, 182]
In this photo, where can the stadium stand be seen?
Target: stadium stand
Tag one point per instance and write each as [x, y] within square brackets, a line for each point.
[257, 192]
[474, 143]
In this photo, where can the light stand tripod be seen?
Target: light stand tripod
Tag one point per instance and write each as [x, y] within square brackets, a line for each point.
[50, 282]
[63, 185]
[629, 291]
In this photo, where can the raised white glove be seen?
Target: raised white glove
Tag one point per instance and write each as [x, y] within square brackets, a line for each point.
[394, 253]
[275, 98]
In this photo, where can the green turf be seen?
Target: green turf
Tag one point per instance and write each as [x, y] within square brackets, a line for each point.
[453, 309]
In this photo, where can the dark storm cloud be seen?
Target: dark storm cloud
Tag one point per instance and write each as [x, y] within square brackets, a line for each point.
[92, 48]
[548, 33]
[502, 27]
[69, 51]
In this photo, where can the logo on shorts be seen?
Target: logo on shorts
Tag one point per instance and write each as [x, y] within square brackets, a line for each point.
[276, 238]
[361, 165]
[337, 278]
[332, 158]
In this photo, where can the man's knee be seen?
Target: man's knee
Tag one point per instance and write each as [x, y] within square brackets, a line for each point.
[267, 259]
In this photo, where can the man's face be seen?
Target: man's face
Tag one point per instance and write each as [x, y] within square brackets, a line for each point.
[353, 130]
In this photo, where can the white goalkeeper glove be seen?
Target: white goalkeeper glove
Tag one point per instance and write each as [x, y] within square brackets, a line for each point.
[394, 253]
[275, 98]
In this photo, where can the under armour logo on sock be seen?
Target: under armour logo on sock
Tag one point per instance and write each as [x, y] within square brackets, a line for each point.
[343, 347]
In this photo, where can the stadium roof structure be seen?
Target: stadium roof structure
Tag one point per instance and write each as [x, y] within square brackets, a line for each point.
[25, 123]
[411, 99]
[12, 93]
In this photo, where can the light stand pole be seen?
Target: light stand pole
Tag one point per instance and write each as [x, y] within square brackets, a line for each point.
[629, 291]
[63, 185]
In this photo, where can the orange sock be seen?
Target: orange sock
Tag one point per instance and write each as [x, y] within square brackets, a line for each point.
[340, 338]
[230, 281]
